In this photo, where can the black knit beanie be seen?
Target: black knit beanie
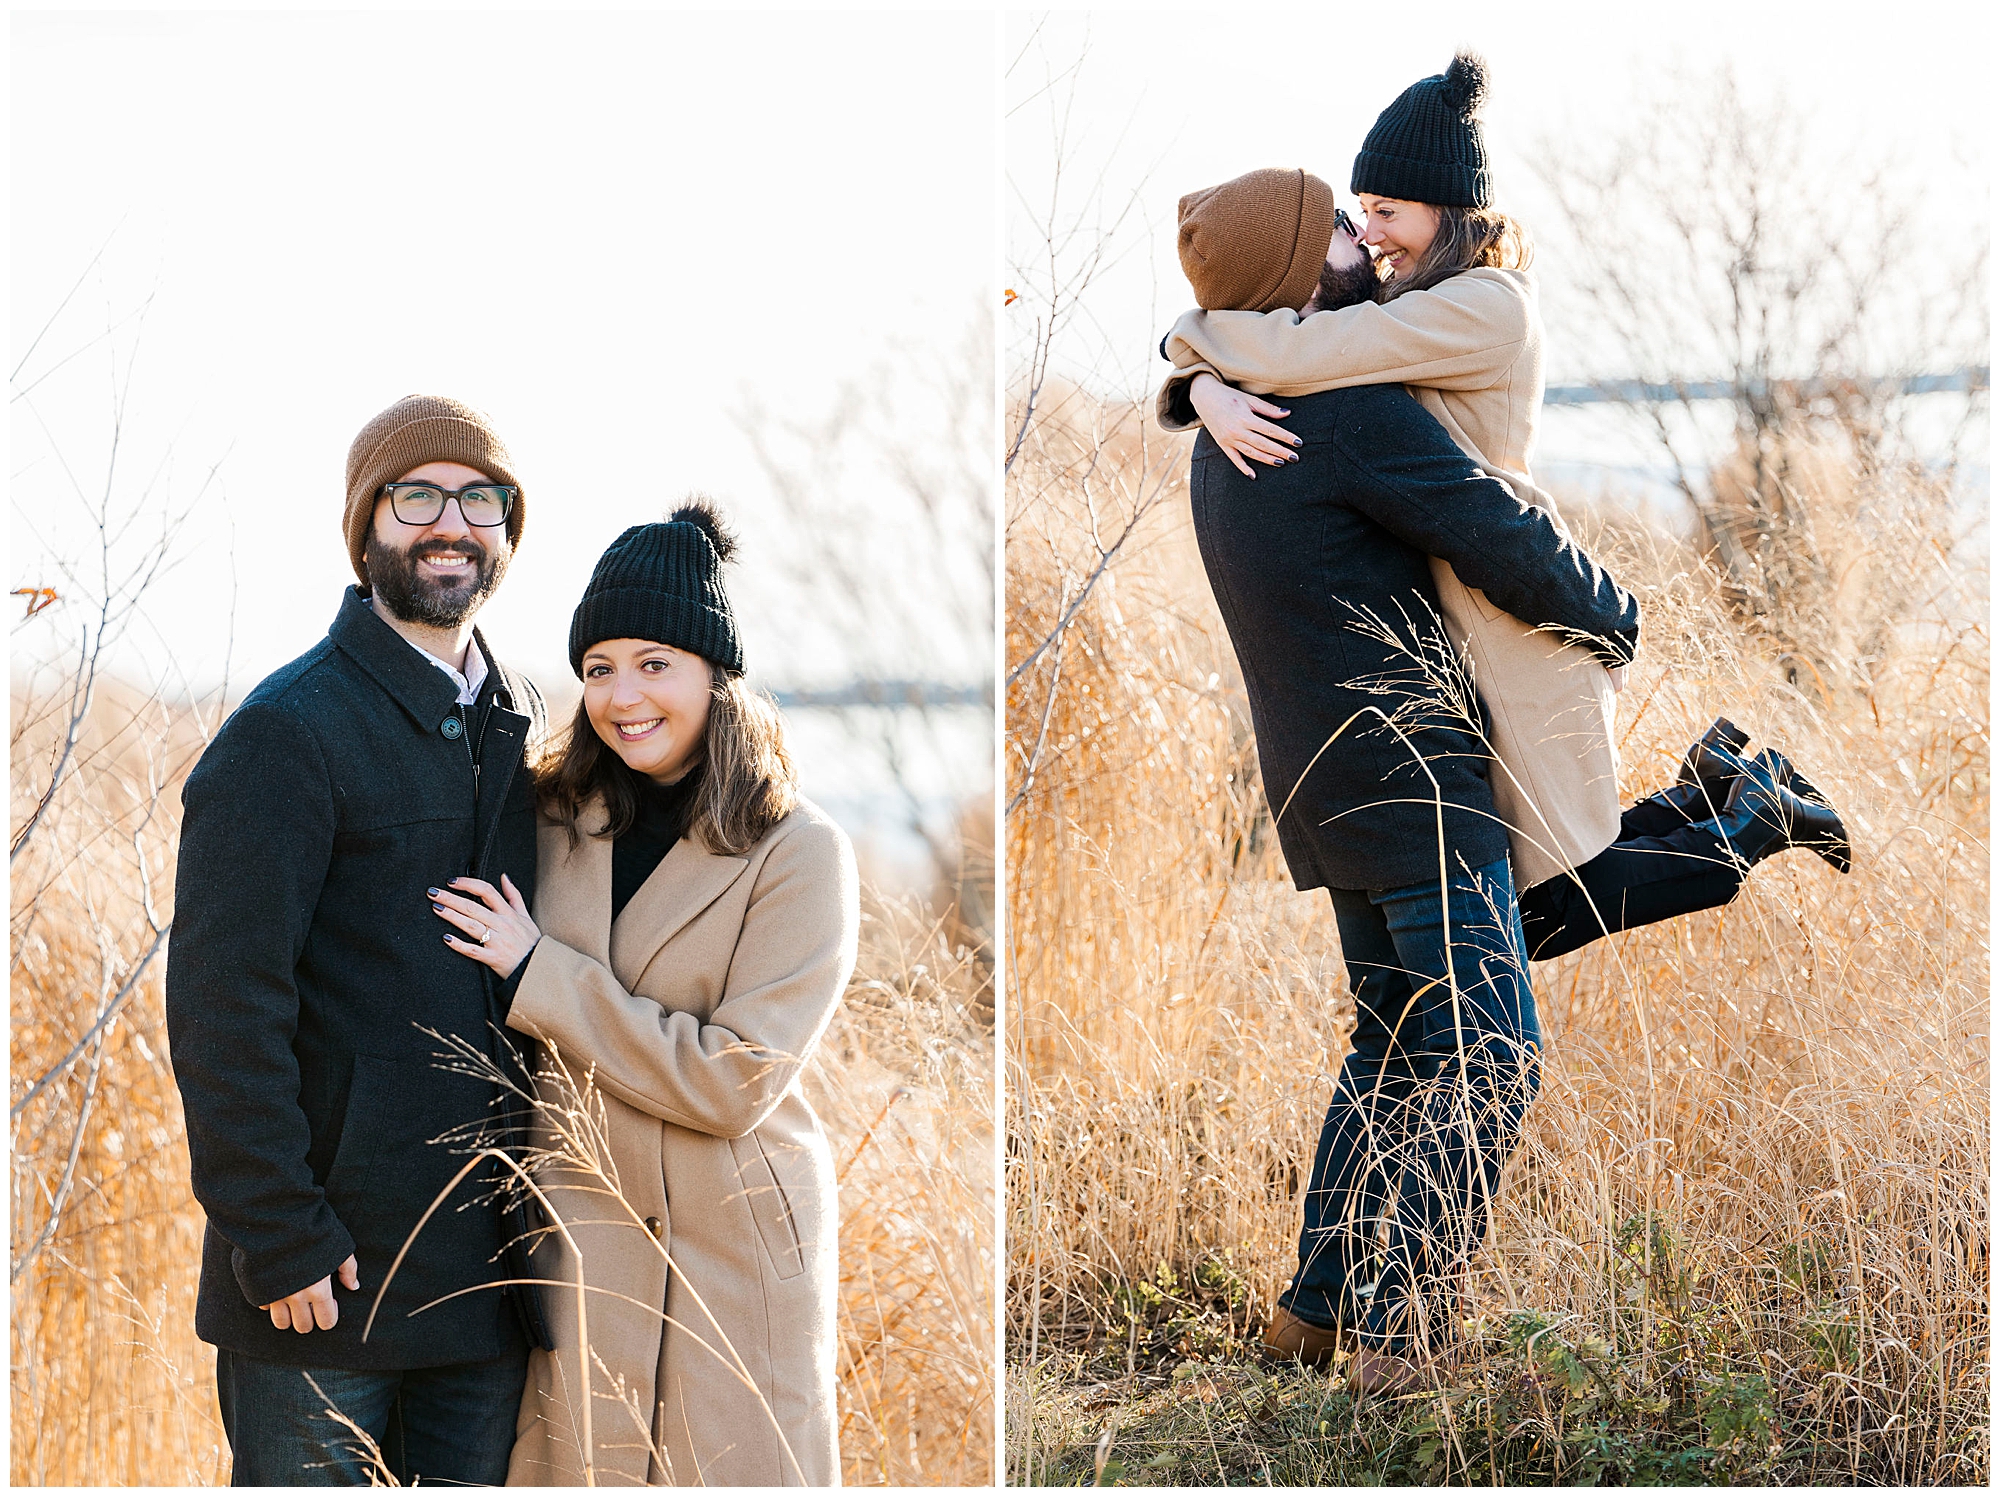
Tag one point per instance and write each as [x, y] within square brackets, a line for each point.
[663, 582]
[1427, 147]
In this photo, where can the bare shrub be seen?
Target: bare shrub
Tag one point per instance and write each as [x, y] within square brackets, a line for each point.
[103, 1252]
[893, 483]
[1716, 266]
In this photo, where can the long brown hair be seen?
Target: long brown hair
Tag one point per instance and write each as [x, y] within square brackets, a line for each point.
[1467, 238]
[747, 786]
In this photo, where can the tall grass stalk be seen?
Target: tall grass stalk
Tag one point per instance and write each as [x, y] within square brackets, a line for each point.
[109, 1384]
[1748, 1220]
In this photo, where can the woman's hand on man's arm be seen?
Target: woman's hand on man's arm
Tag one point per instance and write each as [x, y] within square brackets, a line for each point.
[498, 931]
[1236, 423]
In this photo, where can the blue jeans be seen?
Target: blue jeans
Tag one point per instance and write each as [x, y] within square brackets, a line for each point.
[1427, 1108]
[435, 1424]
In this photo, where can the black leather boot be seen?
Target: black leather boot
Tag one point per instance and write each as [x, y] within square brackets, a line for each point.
[1714, 760]
[1765, 815]
[1664, 812]
[1804, 787]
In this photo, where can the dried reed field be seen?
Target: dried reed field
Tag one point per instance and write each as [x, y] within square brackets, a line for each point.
[1746, 1237]
[109, 1384]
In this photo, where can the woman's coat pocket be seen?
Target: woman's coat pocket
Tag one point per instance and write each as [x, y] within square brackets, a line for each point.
[769, 1205]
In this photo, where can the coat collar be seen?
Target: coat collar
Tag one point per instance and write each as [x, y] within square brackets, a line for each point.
[417, 686]
[689, 879]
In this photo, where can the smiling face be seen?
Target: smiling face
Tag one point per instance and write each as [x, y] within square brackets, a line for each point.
[1398, 232]
[1347, 277]
[649, 702]
[436, 574]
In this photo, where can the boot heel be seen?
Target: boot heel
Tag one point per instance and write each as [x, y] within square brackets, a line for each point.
[1770, 813]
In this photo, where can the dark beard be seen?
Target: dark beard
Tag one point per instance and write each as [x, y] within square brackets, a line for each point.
[1345, 288]
[392, 576]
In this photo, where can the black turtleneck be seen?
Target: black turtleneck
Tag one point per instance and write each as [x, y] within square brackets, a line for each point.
[661, 820]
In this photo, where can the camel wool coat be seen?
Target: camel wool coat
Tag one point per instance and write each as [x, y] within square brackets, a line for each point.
[1469, 349]
[692, 1015]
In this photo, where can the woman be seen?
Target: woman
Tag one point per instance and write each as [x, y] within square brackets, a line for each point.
[1455, 320]
[1457, 324]
[1428, 1105]
[694, 926]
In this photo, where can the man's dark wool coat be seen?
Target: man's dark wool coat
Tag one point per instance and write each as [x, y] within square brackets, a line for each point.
[305, 968]
[1305, 552]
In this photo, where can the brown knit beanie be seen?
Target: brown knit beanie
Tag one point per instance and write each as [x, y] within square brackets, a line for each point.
[421, 429]
[1257, 242]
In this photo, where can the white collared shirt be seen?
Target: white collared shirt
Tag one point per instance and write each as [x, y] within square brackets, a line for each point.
[471, 680]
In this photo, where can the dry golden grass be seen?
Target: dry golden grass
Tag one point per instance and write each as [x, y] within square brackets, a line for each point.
[904, 1082]
[110, 1385]
[1794, 1087]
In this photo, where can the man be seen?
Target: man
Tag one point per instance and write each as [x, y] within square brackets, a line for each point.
[1373, 762]
[311, 997]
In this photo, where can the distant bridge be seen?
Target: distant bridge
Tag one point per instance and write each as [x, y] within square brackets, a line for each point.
[888, 694]
[1638, 392]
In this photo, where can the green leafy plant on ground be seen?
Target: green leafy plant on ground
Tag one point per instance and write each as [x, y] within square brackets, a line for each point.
[1540, 1400]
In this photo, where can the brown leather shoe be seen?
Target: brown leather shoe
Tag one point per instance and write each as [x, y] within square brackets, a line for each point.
[1290, 1339]
[1380, 1372]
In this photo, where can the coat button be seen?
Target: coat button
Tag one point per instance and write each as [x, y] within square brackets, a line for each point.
[451, 727]
[657, 1228]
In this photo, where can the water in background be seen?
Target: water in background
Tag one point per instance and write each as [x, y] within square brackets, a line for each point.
[1604, 454]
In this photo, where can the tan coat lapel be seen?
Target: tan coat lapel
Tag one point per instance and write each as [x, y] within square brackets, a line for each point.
[689, 879]
[573, 886]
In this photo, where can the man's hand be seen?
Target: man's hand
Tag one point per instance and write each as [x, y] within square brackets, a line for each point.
[1234, 422]
[314, 1306]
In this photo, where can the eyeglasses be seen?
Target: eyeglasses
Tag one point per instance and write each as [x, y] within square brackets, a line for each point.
[1346, 225]
[482, 504]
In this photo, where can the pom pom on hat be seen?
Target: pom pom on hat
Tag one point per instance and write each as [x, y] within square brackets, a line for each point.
[700, 512]
[1465, 83]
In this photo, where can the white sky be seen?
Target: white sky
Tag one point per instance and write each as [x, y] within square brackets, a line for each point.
[613, 232]
[1165, 102]
[616, 232]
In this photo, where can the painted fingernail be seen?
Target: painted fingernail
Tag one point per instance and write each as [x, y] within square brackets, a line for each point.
[432, 892]
[439, 908]
[447, 940]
